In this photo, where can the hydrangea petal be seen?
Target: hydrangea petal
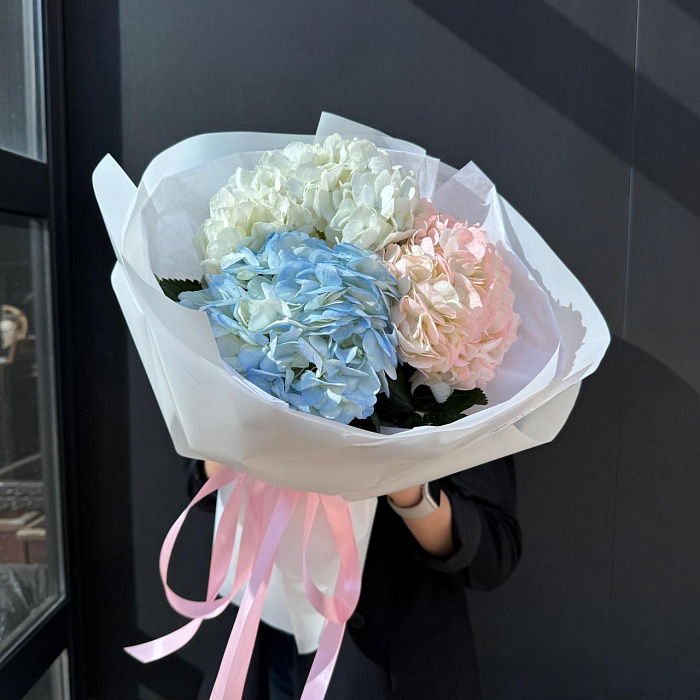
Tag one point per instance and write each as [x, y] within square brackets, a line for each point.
[341, 190]
[455, 319]
[306, 323]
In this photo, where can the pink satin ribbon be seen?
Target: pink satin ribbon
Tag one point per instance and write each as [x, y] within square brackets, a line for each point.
[267, 512]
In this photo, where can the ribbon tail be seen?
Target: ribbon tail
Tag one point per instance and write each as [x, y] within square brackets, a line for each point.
[220, 559]
[239, 649]
[337, 608]
[167, 644]
[324, 661]
[268, 511]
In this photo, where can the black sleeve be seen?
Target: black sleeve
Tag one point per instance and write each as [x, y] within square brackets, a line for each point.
[196, 478]
[485, 530]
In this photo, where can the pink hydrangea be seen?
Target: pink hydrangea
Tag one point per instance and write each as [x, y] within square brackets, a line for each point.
[455, 318]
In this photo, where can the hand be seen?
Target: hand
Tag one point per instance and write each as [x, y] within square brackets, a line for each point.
[434, 531]
[210, 468]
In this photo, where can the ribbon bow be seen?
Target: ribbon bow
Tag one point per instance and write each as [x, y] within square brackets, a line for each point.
[267, 511]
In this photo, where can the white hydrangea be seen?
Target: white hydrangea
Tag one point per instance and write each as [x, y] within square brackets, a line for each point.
[345, 189]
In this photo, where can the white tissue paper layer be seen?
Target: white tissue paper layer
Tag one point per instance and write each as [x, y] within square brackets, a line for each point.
[213, 413]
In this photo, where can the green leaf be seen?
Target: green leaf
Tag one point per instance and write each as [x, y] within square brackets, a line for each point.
[406, 409]
[399, 399]
[370, 424]
[173, 288]
[453, 409]
[412, 420]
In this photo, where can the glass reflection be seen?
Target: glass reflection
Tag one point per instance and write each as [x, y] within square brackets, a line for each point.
[31, 579]
[22, 119]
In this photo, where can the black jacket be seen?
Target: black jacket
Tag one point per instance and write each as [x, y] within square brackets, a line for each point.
[410, 636]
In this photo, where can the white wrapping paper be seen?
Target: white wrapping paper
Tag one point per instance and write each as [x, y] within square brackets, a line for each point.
[213, 413]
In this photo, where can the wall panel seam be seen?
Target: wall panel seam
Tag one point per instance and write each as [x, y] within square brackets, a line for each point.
[623, 340]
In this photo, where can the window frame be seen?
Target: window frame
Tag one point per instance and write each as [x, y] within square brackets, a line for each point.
[35, 189]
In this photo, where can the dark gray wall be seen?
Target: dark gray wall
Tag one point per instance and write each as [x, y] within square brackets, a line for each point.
[585, 113]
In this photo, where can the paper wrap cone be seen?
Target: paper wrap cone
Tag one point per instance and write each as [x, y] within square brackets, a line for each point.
[214, 413]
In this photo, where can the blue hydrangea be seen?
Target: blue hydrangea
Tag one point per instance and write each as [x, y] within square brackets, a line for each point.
[305, 322]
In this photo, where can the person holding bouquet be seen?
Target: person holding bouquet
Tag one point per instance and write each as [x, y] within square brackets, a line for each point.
[410, 636]
[338, 333]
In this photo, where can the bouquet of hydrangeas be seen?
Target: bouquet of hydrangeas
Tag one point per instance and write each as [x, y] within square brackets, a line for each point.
[346, 306]
[326, 273]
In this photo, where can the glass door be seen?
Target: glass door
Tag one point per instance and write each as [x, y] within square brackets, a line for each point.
[34, 608]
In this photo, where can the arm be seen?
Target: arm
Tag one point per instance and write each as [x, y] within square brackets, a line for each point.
[474, 532]
[483, 533]
[434, 532]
